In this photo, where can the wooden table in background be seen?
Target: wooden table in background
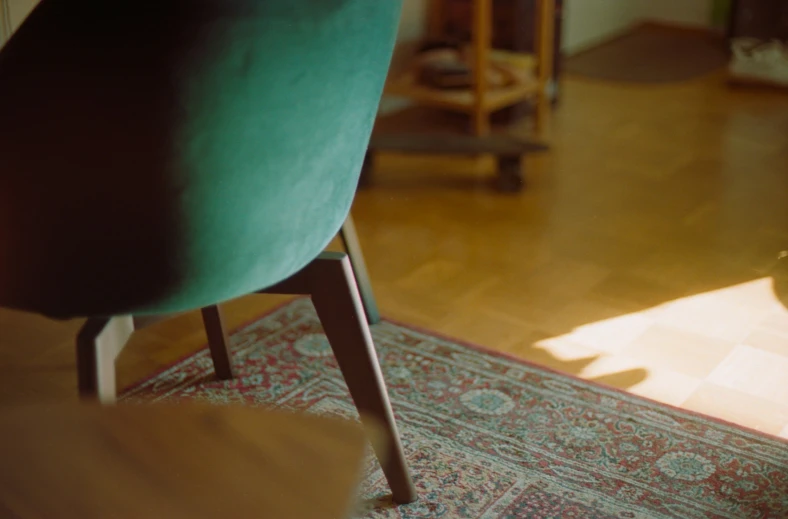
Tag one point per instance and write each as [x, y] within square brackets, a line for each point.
[184, 461]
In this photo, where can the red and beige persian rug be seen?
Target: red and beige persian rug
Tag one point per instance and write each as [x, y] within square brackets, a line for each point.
[492, 437]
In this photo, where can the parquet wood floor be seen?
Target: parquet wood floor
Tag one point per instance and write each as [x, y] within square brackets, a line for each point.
[648, 253]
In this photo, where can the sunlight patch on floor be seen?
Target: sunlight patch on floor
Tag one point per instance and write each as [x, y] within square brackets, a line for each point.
[669, 351]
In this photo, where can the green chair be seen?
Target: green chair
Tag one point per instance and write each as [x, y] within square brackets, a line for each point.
[157, 159]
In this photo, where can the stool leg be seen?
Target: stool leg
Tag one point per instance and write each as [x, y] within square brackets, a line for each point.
[510, 175]
[99, 343]
[218, 342]
[349, 239]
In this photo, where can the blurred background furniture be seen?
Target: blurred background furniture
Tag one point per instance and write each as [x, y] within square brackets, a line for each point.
[132, 461]
[515, 41]
[473, 21]
[516, 28]
[146, 180]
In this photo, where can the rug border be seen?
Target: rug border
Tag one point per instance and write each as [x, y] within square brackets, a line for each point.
[478, 347]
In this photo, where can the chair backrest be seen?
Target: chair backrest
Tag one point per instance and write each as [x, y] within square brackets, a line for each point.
[165, 156]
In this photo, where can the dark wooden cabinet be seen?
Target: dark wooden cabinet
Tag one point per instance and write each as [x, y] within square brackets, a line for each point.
[764, 19]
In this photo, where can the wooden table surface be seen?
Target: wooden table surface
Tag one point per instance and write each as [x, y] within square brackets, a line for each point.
[181, 461]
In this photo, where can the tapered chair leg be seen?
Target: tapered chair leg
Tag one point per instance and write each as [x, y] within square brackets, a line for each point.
[218, 342]
[330, 281]
[339, 306]
[352, 246]
[99, 343]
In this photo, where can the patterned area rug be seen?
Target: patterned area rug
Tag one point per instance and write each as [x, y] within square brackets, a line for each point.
[491, 437]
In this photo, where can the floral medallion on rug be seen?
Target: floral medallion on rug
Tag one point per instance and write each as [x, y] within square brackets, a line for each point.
[491, 437]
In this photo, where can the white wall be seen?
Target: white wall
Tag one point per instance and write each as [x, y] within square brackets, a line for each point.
[19, 9]
[413, 23]
[588, 22]
[680, 12]
[12, 14]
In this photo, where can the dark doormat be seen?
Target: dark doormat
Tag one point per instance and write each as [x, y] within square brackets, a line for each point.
[652, 54]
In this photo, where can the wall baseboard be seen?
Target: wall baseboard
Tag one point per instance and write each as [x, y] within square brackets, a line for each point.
[678, 26]
[711, 32]
[597, 42]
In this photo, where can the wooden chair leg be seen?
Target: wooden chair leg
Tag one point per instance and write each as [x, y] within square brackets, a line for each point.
[218, 342]
[339, 306]
[349, 239]
[99, 343]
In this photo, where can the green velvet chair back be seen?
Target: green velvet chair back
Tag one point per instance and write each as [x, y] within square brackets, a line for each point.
[163, 156]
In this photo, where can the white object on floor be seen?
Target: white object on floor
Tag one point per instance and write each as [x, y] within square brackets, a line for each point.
[759, 61]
